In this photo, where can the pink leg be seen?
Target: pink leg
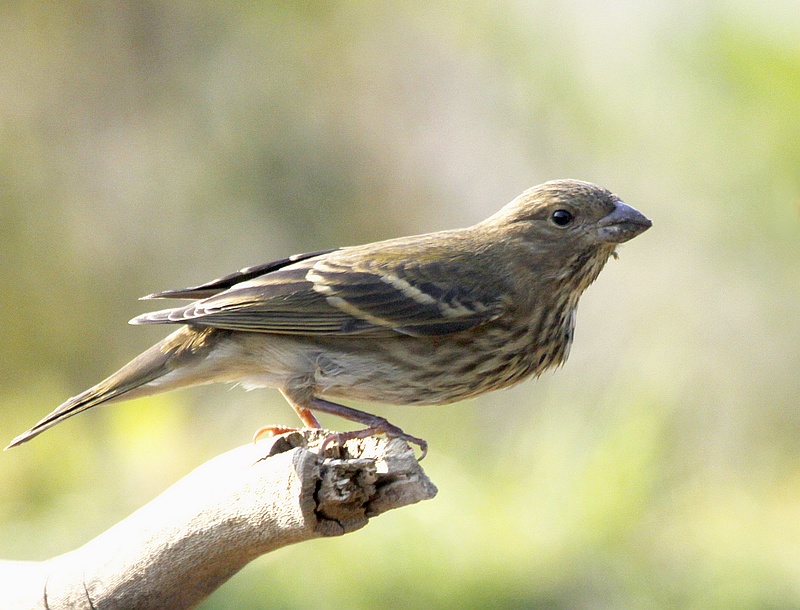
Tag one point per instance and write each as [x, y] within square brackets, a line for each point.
[375, 425]
[305, 415]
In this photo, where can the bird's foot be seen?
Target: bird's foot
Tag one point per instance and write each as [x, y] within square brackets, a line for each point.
[390, 430]
[269, 431]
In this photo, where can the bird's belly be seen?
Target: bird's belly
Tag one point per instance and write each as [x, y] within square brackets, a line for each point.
[393, 370]
[421, 371]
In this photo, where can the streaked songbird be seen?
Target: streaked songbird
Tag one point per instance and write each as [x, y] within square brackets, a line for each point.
[422, 320]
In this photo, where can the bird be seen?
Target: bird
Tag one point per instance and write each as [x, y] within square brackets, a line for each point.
[421, 320]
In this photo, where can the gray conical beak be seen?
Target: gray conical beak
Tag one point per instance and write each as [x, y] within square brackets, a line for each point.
[622, 224]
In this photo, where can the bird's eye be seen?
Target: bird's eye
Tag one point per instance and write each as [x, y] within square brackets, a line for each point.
[562, 218]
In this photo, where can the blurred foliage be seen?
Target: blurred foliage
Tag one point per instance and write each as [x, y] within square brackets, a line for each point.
[148, 145]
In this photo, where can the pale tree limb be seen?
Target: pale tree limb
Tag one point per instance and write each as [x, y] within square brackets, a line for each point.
[179, 548]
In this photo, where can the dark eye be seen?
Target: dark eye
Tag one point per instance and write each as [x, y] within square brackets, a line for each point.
[562, 218]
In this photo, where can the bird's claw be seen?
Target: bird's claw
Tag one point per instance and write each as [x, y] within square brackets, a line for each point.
[269, 431]
[390, 430]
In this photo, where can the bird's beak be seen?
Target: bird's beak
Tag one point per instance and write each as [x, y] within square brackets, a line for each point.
[622, 224]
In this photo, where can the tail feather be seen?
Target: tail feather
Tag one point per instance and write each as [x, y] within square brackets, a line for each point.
[128, 382]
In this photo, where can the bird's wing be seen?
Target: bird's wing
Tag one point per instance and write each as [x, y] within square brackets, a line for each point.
[225, 282]
[353, 291]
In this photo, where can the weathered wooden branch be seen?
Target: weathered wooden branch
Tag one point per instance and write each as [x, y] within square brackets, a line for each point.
[176, 550]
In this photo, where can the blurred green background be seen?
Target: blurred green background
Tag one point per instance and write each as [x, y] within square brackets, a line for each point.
[147, 145]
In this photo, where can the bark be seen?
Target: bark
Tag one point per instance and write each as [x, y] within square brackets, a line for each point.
[176, 550]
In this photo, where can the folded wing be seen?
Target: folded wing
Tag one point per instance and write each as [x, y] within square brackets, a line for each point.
[352, 291]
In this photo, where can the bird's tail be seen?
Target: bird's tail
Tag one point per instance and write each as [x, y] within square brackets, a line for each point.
[146, 374]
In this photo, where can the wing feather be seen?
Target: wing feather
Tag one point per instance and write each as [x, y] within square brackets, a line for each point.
[374, 290]
[225, 282]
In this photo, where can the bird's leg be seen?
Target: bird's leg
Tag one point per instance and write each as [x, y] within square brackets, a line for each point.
[375, 425]
[305, 415]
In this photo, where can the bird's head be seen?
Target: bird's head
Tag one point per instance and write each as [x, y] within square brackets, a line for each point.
[571, 212]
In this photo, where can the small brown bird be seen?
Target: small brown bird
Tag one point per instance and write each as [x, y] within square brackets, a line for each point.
[429, 319]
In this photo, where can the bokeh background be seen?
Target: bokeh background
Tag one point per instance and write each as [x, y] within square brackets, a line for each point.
[146, 145]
